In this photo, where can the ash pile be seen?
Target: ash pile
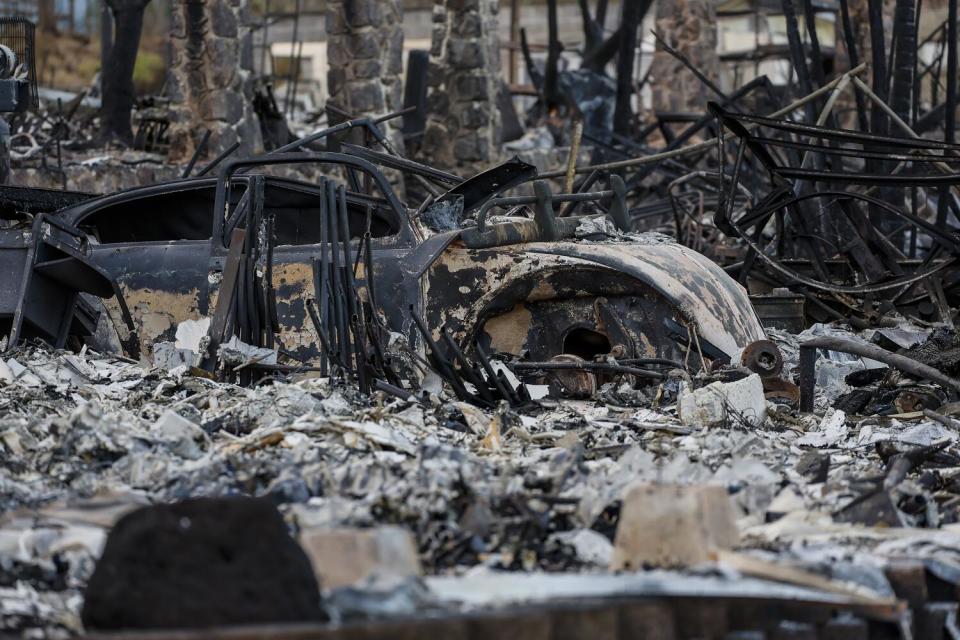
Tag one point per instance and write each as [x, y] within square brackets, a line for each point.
[686, 365]
[398, 503]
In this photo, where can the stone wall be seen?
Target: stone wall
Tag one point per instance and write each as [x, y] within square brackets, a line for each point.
[365, 59]
[98, 175]
[689, 26]
[210, 80]
[463, 123]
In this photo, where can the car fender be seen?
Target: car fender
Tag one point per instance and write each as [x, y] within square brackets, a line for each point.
[466, 287]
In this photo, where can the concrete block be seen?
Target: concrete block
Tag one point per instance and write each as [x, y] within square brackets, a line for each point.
[722, 403]
[344, 556]
[672, 525]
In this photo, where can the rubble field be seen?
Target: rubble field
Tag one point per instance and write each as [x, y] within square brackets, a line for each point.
[827, 501]
[518, 319]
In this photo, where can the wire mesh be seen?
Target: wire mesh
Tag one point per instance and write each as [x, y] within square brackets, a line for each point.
[17, 33]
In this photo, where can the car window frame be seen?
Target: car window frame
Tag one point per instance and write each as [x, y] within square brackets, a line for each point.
[227, 172]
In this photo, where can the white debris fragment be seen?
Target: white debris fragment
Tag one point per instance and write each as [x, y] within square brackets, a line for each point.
[498, 368]
[905, 336]
[21, 374]
[596, 225]
[179, 434]
[724, 403]
[832, 429]
[191, 333]
[187, 349]
[590, 546]
[377, 433]
[538, 391]
[6, 373]
[237, 352]
[343, 557]
[672, 525]
[167, 356]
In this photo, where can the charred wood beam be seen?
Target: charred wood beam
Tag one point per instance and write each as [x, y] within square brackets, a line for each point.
[864, 350]
[950, 123]
[601, 13]
[106, 34]
[878, 47]
[879, 63]
[915, 108]
[904, 68]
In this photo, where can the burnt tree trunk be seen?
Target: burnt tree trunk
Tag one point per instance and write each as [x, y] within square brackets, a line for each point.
[551, 91]
[117, 78]
[592, 31]
[633, 13]
[879, 64]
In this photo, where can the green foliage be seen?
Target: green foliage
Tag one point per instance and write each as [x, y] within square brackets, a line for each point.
[149, 72]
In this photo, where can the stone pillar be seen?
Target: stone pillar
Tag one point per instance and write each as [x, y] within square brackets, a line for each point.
[689, 26]
[463, 123]
[365, 59]
[210, 81]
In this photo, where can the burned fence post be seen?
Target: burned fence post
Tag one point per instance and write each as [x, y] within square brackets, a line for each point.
[463, 124]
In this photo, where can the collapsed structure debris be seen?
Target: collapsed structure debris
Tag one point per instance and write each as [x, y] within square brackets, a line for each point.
[711, 346]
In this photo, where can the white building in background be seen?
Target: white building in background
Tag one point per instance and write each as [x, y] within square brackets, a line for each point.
[752, 39]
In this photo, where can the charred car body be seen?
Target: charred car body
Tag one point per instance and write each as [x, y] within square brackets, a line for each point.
[531, 285]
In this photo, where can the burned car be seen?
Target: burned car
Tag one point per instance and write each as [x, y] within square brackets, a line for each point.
[287, 264]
